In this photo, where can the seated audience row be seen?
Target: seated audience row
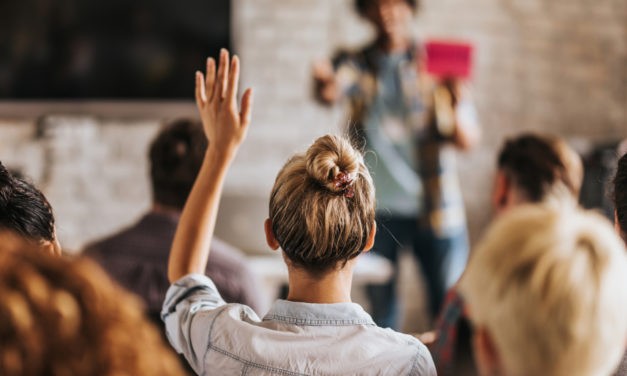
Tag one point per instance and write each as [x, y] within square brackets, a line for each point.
[544, 291]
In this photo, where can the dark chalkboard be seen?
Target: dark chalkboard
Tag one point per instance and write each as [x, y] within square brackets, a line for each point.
[107, 49]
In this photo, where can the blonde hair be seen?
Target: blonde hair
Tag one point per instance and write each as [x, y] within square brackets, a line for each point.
[322, 205]
[549, 287]
[66, 317]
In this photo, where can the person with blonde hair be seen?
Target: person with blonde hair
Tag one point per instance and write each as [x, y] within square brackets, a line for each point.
[321, 215]
[546, 294]
[66, 317]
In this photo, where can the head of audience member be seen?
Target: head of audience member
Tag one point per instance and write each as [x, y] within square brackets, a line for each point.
[545, 290]
[65, 317]
[25, 211]
[536, 168]
[620, 197]
[391, 18]
[322, 208]
[176, 155]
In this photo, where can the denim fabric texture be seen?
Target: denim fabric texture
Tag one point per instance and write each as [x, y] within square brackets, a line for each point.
[292, 339]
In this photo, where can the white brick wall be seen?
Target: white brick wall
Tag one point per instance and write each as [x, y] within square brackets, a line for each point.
[555, 65]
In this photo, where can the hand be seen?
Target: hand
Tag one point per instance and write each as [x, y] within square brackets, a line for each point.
[326, 88]
[456, 88]
[216, 97]
[427, 338]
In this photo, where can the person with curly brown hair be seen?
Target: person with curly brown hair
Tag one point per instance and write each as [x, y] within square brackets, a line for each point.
[66, 317]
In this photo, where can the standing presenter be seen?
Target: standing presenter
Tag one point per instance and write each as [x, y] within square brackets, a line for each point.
[410, 151]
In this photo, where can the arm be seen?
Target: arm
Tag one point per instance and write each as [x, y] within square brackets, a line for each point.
[225, 127]
[326, 88]
[455, 114]
[467, 131]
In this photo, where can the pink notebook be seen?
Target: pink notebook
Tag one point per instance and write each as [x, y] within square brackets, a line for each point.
[449, 59]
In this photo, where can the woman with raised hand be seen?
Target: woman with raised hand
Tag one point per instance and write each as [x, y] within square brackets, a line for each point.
[322, 210]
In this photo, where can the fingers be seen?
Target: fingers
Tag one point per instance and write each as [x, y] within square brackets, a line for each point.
[231, 92]
[223, 72]
[211, 77]
[201, 96]
[247, 108]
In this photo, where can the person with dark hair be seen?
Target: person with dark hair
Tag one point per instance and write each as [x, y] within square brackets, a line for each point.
[137, 256]
[26, 211]
[363, 6]
[410, 155]
[620, 222]
[531, 168]
[620, 197]
[536, 168]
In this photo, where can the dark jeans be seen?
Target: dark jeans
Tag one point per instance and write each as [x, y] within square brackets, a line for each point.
[442, 261]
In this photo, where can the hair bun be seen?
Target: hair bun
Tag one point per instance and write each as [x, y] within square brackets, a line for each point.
[333, 162]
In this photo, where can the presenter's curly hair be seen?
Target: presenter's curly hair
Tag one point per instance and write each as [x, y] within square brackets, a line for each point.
[362, 5]
[66, 317]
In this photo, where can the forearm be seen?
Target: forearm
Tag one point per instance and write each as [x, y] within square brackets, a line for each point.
[467, 130]
[190, 248]
[466, 136]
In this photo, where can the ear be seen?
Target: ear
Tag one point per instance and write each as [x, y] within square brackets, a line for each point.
[51, 247]
[485, 353]
[500, 192]
[371, 236]
[270, 239]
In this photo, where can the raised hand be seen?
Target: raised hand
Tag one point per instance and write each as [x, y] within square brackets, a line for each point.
[216, 97]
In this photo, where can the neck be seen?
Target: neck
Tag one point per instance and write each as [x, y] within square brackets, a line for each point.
[393, 43]
[332, 287]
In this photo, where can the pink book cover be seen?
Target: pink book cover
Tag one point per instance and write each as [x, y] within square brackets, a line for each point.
[449, 59]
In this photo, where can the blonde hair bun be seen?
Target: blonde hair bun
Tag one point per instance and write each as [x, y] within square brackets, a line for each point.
[322, 205]
[328, 158]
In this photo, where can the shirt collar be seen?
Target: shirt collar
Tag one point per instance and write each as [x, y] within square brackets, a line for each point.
[318, 314]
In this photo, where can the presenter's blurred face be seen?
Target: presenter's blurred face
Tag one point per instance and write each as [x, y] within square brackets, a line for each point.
[390, 17]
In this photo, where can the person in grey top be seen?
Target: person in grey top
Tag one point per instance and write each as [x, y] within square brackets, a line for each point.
[137, 256]
[322, 211]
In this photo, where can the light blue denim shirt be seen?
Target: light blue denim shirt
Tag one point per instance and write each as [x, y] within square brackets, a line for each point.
[292, 339]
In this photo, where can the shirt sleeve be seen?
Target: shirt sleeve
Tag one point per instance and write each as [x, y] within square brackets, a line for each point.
[191, 305]
[423, 364]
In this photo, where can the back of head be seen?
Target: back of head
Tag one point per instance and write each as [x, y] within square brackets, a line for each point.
[176, 155]
[322, 205]
[62, 317]
[620, 195]
[541, 167]
[548, 285]
[24, 209]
